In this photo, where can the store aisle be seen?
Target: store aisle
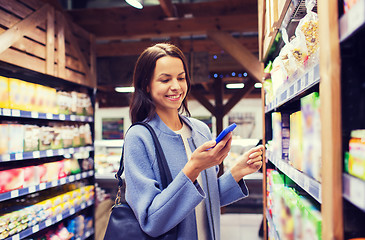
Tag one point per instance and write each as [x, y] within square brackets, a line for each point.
[236, 226]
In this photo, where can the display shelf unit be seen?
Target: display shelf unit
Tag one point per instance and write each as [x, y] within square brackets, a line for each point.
[326, 76]
[46, 185]
[352, 21]
[52, 221]
[296, 87]
[49, 116]
[44, 153]
[308, 184]
[40, 45]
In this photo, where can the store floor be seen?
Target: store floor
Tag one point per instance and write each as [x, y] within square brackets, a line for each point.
[239, 226]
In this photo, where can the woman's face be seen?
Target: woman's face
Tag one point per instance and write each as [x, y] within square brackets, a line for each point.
[168, 85]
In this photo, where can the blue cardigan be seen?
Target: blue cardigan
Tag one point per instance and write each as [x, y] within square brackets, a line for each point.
[159, 211]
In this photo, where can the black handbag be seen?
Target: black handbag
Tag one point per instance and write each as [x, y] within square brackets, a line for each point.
[123, 224]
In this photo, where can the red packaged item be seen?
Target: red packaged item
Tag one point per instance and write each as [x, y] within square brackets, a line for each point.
[11, 179]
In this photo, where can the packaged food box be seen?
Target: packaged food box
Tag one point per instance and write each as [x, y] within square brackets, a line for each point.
[31, 138]
[4, 138]
[16, 138]
[4, 92]
[296, 142]
[11, 179]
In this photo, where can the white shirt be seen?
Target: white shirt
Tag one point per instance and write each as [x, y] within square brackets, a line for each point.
[200, 210]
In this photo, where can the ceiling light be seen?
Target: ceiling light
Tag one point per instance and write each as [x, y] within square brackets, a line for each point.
[235, 85]
[135, 3]
[258, 85]
[124, 89]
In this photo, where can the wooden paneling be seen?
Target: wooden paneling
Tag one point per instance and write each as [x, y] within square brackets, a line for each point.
[35, 36]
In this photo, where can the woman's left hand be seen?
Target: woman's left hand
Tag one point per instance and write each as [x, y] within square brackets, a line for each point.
[249, 162]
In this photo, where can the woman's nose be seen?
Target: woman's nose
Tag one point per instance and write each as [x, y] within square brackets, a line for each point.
[175, 84]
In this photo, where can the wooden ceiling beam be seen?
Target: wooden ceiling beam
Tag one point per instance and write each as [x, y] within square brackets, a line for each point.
[143, 28]
[106, 16]
[113, 49]
[250, 62]
[168, 8]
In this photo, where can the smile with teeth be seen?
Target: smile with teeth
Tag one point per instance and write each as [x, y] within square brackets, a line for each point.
[174, 97]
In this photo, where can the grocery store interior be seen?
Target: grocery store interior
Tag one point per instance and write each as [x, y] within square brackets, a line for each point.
[287, 72]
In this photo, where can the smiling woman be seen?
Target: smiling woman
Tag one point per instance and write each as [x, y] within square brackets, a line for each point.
[161, 81]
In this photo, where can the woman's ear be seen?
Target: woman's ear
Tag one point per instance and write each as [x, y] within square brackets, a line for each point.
[148, 89]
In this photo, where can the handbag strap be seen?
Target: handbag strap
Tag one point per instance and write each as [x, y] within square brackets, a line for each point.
[165, 173]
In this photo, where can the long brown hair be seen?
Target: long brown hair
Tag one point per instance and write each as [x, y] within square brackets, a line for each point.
[142, 107]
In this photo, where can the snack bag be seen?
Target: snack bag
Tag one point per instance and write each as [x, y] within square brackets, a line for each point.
[286, 56]
[300, 53]
[308, 30]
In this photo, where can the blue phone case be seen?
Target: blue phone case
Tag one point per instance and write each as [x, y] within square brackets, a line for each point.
[225, 132]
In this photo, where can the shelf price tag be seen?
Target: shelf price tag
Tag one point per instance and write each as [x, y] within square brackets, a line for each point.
[357, 193]
[72, 211]
[59, 217]
[49, 153]
[14, 194]
[83, 205]
[61, 151]
[78, 176]
[35, 228]
[48, 222]
[311, 76]
[83, 118]
[34, 114]
[54, 183]
[31, 189]
[72, 117]
[62, 117]
[15, 113]
[49, 116]
[42, 186]
[18, 156]
[16, 237]
[71, 178]
[63, 180]
[84, 174]
[6, 112]
[6, 157]
[36, 154]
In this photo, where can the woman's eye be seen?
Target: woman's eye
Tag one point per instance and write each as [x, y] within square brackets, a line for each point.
[181, 79]
[164, 80]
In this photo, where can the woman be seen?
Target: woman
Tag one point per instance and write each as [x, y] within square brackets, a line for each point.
[194, 197]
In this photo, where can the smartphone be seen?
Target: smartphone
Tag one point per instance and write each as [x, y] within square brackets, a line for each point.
[225, 132]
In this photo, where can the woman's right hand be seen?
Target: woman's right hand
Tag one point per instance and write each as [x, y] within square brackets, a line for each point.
[207, 155]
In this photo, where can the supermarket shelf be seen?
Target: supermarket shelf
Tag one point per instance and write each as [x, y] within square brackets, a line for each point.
[354, 190]
[49, 116]
[352, 20]
[50, 221]
[308, 184]
[44, 153]
[297, 87]
[43, 186]
[273, 233]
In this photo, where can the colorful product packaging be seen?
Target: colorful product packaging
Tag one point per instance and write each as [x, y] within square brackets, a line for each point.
[356, 155]
[4, 92]
[296, 142]
[311, 123]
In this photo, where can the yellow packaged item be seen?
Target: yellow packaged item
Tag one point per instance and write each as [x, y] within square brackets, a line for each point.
[15, 93]
[4, 92]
